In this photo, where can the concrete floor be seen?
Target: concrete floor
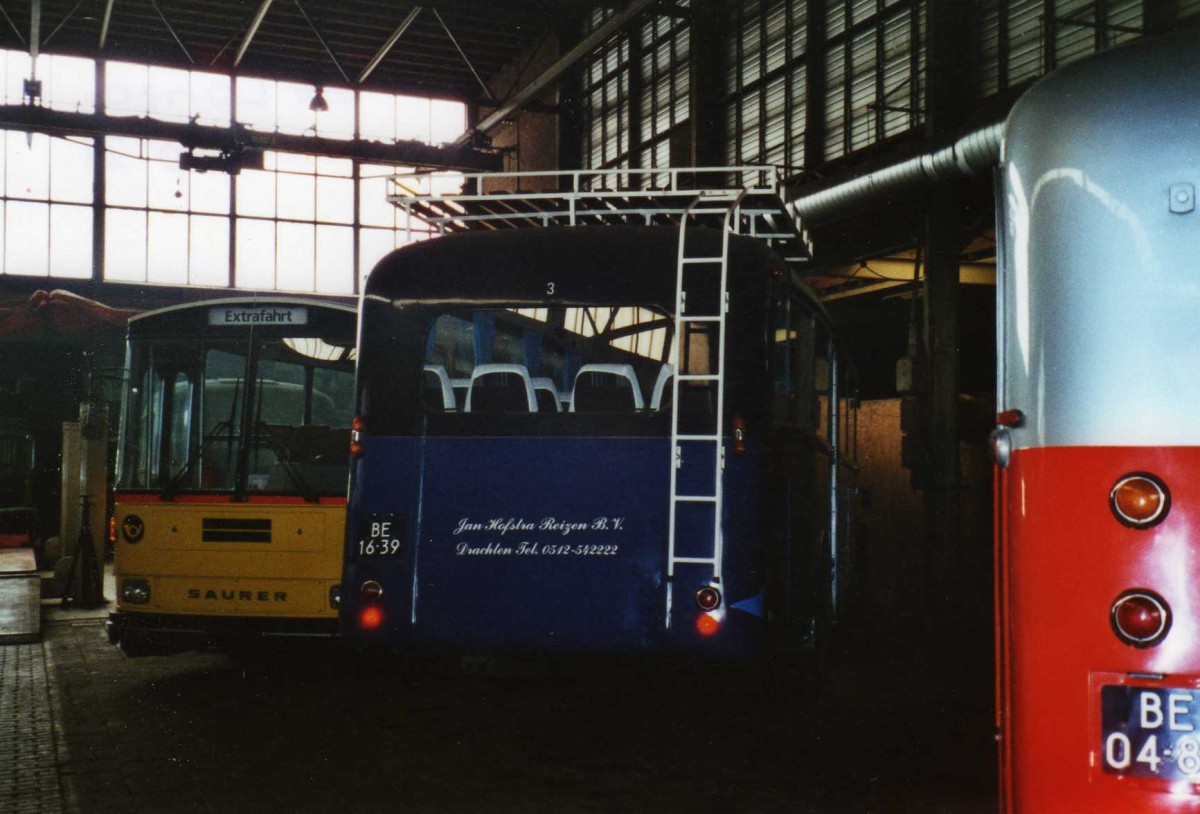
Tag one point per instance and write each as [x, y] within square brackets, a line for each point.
[84, 729]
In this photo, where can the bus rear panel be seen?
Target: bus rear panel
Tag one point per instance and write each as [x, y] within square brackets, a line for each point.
[1098, 667]
[512, 491]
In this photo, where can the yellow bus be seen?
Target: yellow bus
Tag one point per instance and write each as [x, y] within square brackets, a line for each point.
[230, 494]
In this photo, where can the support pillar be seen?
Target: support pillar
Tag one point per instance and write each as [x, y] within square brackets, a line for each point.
[944, 558]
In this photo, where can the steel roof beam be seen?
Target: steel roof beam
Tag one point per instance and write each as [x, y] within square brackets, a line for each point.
[487, 92]
[171, 28]
[552, 75]
[13, 25]
[64, 21]
[387, 46]
[251, 31]
[35, 31]
[104, 21]
[337, 64]
[36, 119]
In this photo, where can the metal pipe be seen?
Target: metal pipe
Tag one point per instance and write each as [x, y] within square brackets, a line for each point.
[970, 156]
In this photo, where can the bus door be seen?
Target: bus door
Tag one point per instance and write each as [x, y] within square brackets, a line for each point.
[799, 483]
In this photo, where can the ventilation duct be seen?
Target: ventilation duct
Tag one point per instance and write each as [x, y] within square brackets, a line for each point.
[971, 156]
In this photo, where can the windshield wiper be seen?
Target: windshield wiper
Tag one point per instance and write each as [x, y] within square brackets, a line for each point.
[284, 459]
[168, 493]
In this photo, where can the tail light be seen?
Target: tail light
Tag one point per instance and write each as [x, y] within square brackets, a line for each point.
[371, 590]
[1010, 418]
[370, 617]
[356, 437]
[112, 528]
[1140, 500]
[708, 598]
[1140, 618]
[707, 624]
[739, 435]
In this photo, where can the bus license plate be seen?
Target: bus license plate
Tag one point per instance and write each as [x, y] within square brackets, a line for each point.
[379, 537]
[1150, 732]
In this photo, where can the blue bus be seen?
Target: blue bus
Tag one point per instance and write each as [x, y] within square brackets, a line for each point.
[550, 457]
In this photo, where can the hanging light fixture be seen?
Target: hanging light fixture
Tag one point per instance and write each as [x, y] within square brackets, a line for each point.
[318, 103]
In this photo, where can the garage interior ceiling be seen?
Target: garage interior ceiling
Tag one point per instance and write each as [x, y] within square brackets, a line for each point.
[449, 48]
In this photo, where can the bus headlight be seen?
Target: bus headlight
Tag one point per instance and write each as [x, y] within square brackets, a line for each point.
[135, 591]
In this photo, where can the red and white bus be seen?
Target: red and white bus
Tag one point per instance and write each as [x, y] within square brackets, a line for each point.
[1098, 449]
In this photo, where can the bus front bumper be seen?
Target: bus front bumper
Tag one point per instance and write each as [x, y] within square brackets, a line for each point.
[163, 634]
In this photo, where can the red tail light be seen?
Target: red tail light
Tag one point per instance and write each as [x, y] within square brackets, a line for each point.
[1140, 618]
[707, 624]
[739, 435]
[1010, 418]
[370, 617]
[356, 437]
[1140, 500]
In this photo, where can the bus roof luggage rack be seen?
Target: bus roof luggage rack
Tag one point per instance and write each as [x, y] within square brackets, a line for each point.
[487, 201]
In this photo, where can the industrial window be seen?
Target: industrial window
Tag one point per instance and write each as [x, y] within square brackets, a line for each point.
[295, 224]
[765, 100]
[636, 97]
[166, 94]
[68, 83]
[301, 223]
[45, 203]
[46, 182]
[388, 118]
[874, 64]
[283, 107]
[1022, 39]
[163, 224]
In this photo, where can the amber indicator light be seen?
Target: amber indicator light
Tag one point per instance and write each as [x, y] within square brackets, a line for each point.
[1140, 500]
[739, 435]
[356, 435]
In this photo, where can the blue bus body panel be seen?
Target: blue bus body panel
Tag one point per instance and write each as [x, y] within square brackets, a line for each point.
[548, 543]
[539, 544]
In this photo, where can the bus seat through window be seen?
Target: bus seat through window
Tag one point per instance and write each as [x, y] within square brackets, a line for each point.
[661, 400]
[437, 389]
[606, 388]
[548, 399]
[501, 388]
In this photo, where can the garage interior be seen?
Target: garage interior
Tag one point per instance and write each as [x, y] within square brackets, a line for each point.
[168, 151]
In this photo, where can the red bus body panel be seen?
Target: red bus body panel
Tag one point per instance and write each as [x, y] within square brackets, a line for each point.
[1060, 545]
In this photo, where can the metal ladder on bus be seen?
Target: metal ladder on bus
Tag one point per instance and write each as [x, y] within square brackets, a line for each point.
[724, 204]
